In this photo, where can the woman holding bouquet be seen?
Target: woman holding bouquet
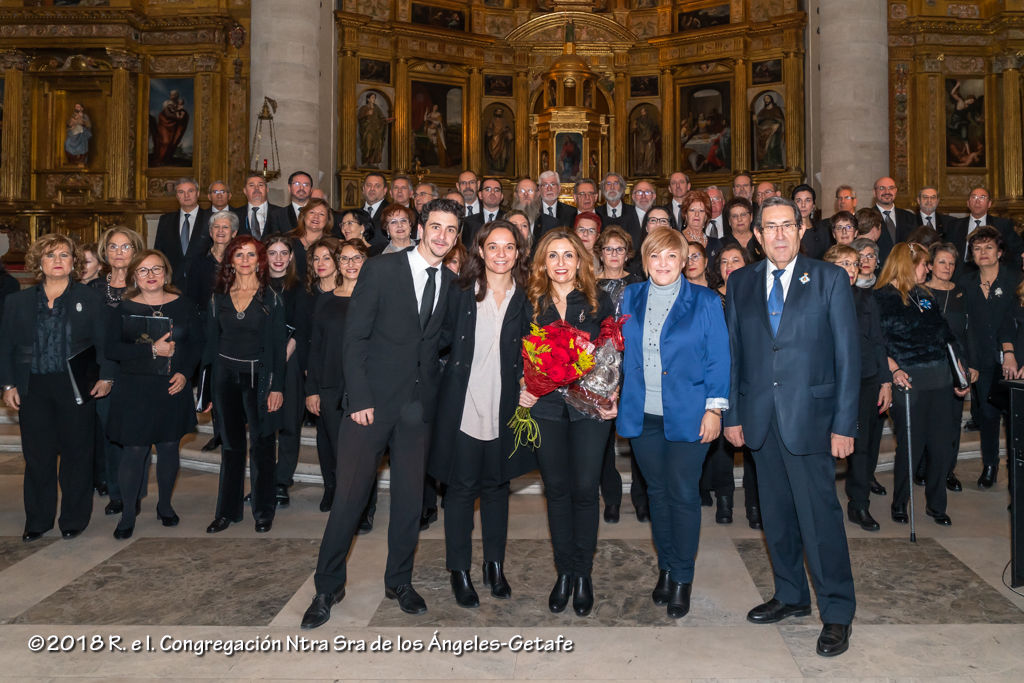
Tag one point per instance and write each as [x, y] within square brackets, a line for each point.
[675, 386]
[562, 287]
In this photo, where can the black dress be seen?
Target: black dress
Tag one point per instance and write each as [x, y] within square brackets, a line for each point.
[141, 411]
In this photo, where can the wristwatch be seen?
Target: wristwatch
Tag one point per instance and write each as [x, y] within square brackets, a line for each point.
[6, 388]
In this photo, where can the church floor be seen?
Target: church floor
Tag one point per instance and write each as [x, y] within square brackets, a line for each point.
[932, 611]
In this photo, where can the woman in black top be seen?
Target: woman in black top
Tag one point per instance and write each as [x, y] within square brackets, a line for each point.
[44, 326]
[739, 213]
[152, 401]
[988, 294]
[245, 346]
[203, 274]
[314, 222]
[356, 224]
[817, 234]
[562, 287]
[916, 337]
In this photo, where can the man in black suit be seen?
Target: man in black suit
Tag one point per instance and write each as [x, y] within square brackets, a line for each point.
[897, 224]
[525, 198]
[678, 186]
[553, 213]
[220, 196]
[392, 373]
[615, 211]
[795, 382]
[928, 211]
[468, 185]
[254, 218]
[300, 185]
[491, 197]
[585, 194]
[401, 189]
[978, 203]
[184, 235]
[374, 189]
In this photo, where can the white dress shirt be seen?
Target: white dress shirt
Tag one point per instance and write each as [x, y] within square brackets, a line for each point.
[261, 214]
[192, 216]
[549, 209]
[419, 266]
[473, 208]
[372, 208]
[714, 227]
[614, 211]
[786, 279]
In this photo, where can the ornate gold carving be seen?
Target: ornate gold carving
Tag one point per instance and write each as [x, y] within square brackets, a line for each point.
[965, 65]
[898, 10]
[13, 59]
[963, 10]
[122, 59]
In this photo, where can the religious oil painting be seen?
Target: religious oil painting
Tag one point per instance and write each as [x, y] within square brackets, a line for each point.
[768, 71]
[498, 86]
[643, 86]
[499, 139]
[171, 121]
[705, 17]
[569, 153]
[965, 123]
[436, 123]
[644, 141]
[768, 131]
[375, 71]
[373, 124]
[705, 132]
[438, 17]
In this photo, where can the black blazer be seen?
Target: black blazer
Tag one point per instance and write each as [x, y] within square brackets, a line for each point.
[168, 240]
[818, 239]
[283, 218]
[564, 216]
[873, 363]
[388, 360]
[460, 322]
[942, 222]
[987, 316]
[905, 224]
[471, 224]
[8, 285]
[628, 221]
[273, 224]
[957, 234]
[88, 314]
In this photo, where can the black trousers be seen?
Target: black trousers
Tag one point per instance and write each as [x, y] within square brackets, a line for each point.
[570, 456]
[237, 400]
[328, 426]
[611, 480]
[987, 415]
[107, 450]
[716, 472]
[930, 429]
[53, 425]
[862, 462]
[476, 473]
[407, 436]
[292, 411]
[132, 476]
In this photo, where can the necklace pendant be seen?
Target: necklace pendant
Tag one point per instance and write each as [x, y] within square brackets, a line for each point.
[240, 315]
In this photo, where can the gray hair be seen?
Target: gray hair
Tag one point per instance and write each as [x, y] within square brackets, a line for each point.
[186, 181]
[862, 243]
[776, 201]
[546, 174]
[217, 182]
[848, 188]
[231, 217]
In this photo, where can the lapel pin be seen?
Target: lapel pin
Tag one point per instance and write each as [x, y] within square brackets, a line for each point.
[78, 307]
[804, 279]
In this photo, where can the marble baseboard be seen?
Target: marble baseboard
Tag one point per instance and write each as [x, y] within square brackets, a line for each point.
[898, 582]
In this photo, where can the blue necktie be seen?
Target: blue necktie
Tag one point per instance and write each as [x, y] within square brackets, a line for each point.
[184, 235]
[776, 301]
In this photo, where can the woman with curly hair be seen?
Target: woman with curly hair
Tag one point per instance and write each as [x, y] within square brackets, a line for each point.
[562, 287]
[695, 212]
[245, 346]
[43, 328]
[315, 221]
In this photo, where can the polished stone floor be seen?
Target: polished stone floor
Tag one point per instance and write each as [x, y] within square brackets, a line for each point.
[934, 610]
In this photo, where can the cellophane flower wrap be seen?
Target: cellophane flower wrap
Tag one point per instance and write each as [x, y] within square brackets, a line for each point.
[598, 388]
[553, 356]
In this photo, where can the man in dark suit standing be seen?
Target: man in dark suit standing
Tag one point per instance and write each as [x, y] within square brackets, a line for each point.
[285, 218]
[491, 197]
[897, 224]
[254, 217]
[928, 211]
[614, 211]
[374, 190]
[553, 213]
[183, 235]
[795, 381]
[392, 373]
[978, 203]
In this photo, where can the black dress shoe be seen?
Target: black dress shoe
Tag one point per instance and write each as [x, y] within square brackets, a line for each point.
[582, 596]
[30, 536]
[971, 426]
[68, 534]
[939, 517]
[281, 497]
[462, 589]
[211, 445]
[953, 483]
[754, 517]
[834, 639]
[643, 514]
[218, 525]
[264, 525]
[559, 597]
[723, 515]
[365, 523]
[877, 488]
[114, 507]
[494, 576]
[864, 518]
[327, 500]
[248, 498]
[172, 520]
[679, 599]
[899, 515]
[611, 513]
[988, 477]
[774, 611]
[919, 480]
[429, 515]
[408, 599]
[123, 534]
[660, 593]
[705, 499]
[319, 611]
[101, 489]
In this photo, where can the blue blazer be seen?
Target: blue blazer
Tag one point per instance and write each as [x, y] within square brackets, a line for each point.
[808, 376]
[694, 360]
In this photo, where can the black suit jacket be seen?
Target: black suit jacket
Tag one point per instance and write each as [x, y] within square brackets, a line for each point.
[389, 361]
[905, 224]
[89, 317]
[473, 223]
[628, 221]
[807, 378]
[818, 239]
[942, 222]
[273, 225]
[283, 218]
[958, 233]
[168, 240]
[564, 216]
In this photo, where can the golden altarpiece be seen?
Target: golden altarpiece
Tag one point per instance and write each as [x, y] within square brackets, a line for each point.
[106, 102]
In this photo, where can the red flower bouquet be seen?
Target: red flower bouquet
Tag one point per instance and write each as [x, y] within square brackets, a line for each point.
[597, 390]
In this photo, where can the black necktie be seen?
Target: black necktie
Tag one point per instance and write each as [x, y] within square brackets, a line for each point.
[490, 216]
[469, 211]
[929, 219]
[256, 222]
[551, 211]
[977, 223]
[615, 213]
[184, 235]
[890, 226]
[427, 303]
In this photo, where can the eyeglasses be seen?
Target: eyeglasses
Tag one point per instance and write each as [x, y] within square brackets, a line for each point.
[586, 231]
[491, 189]
[978, 197]
[644, 193]
[848, 264]
[299, 183]
[350, 222]
[868, 257]
[886, 188]
[218, 191]
[586, 194]
[844, 228]
[424, 194]
[358, 258]
[779, 228]
[146, 272]
[549, 184]
[694, 257]
[526, 190]
[614, 251]
[656, 220]
[120, 247]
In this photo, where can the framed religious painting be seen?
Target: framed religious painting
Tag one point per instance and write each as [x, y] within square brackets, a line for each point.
[438, 17]
[643, 86]
[645, 140]
[705, 130]
[703, 17]
[375, 71]
[965, 123]
[171, 122]
[499, 139]
[768, 131]
[498, 85]
[768, 71]
[436, 114]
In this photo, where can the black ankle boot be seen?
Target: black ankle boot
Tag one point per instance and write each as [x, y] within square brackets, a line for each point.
[494, 576]
[679, 599]
[582, 596]
[328, 500]
[660, 593]
[559, 597]
[462, 589]
[723, 514]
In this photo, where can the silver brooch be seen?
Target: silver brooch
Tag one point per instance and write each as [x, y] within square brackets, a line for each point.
[804, 279]
[582, 315]
[78, 307]
[998, 291]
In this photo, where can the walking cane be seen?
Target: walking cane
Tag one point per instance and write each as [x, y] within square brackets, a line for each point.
[910, 465]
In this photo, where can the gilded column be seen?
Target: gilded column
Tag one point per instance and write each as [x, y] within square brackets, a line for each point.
[118, 150]
[524, 145]
[349, 77]
[12, 179]
[1012, 149]
[474, 116]
[741, 123]
[668, 125]
[617, 158]
[400, 143]
[791, 64]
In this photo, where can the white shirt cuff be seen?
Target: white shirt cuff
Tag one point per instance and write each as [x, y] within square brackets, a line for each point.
[716, 404]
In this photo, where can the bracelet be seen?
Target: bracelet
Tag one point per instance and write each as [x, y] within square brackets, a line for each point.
[896, 370]
[1008, 351]
[714, 411]
[7, 387]
[153, 349]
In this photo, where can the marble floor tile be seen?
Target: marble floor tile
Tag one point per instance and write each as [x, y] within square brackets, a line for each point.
[898, 582]
[13, 550]
[12, 464]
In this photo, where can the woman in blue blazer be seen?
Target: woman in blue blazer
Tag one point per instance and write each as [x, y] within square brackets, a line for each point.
[675, 386]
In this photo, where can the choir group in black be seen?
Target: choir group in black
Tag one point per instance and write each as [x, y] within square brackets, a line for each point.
[399, 338]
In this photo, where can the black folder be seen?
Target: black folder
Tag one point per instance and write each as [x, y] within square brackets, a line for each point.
[84, 372]
[146, 329]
